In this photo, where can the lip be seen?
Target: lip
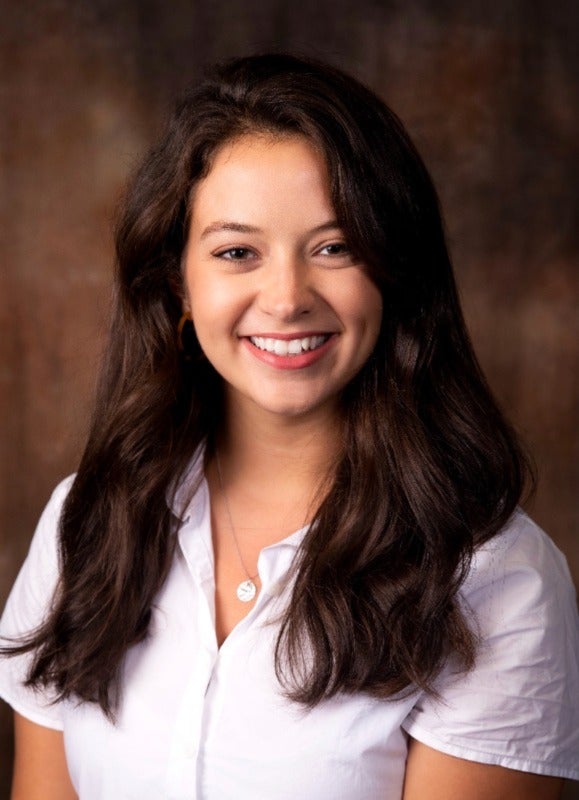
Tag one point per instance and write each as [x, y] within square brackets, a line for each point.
[301, 361]
[286, 337]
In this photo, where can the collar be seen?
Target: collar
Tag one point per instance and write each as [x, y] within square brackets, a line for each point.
[186, 500]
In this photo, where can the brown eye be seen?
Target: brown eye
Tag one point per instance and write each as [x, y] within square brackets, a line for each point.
[335, 249]
[235, 254]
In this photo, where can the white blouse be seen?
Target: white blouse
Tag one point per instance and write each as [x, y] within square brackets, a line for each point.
[198, 722]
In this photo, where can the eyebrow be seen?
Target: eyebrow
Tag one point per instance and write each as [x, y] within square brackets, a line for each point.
[240, 227]
[224, 225]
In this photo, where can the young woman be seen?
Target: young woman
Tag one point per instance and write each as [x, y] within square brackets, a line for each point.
[291, 563]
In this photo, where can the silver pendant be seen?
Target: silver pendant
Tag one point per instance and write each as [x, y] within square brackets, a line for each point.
[246, 591]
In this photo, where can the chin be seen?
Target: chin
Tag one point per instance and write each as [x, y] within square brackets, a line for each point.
[294, 408]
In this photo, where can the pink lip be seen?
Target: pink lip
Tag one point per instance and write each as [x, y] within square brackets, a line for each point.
[286, 337]
[289, 362]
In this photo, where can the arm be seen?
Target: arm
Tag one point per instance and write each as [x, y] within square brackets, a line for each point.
[40, 771]
[437, 776]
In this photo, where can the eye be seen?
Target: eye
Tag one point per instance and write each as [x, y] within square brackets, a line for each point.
[335, 249]
[235, 254]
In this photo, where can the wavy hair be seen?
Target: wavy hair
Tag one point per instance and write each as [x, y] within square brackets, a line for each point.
[429, 469]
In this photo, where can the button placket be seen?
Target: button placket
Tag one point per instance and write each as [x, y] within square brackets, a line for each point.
[182, 772]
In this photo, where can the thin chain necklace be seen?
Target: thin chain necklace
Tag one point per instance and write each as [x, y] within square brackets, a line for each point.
[247, 589]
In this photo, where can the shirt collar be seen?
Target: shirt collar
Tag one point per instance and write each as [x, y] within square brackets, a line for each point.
[187, 500]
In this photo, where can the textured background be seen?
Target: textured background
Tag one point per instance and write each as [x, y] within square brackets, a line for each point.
[490, 94]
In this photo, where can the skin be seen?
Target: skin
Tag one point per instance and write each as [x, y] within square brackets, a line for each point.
[40, 771]
[431, 775]
[266, 257]
[288, 271]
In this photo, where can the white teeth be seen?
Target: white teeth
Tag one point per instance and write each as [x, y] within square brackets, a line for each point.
[292, 347]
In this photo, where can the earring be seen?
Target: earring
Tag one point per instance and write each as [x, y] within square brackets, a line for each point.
[182, 335]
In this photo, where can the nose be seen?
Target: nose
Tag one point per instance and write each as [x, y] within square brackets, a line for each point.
[286, 292]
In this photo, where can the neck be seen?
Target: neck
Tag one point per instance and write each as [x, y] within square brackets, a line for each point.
[283, 456]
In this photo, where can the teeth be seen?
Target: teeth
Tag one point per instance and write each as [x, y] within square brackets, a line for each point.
[292, 347]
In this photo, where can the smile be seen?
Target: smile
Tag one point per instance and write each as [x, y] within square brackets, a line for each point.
[289, 347]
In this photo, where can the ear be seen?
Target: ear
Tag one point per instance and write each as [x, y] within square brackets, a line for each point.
[186, 306]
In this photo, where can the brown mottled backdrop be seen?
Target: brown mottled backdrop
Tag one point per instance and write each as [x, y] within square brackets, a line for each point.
[489, 92]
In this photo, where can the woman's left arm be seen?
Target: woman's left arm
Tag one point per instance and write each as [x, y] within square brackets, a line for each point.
[437, 776]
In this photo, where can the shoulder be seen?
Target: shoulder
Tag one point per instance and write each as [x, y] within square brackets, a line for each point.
[519, 706]
[43, 553]
[53, 507]
[55, 503]
[521, 542]
[519, 573]
[27, 606]
[39, 573]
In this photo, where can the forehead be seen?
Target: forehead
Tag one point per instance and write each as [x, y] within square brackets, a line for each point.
[258, 145]
[258, 172]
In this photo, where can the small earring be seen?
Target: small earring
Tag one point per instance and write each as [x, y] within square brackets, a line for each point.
[181, 343]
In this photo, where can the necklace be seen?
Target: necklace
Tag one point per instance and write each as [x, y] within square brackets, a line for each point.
[247, 589]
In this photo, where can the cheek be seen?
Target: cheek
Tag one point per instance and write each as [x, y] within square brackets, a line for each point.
[363, 305]
[216, 306]
[204, 294]
[200, 299]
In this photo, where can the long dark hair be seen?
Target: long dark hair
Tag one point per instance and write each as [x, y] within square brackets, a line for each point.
[429, 469]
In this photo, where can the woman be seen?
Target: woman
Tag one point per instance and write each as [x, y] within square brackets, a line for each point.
[291, 562]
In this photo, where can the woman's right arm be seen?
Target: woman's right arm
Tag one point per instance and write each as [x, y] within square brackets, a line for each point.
[40, 771]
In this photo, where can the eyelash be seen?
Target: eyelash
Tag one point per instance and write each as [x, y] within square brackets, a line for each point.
[344, 249]
[226, 254]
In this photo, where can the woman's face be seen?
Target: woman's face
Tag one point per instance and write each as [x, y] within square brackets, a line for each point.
[281, 308]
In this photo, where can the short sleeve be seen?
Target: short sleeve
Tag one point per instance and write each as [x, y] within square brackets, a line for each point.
[26, 608]
[519, 706]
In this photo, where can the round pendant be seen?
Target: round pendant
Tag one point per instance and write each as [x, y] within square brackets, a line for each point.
[246, 591]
